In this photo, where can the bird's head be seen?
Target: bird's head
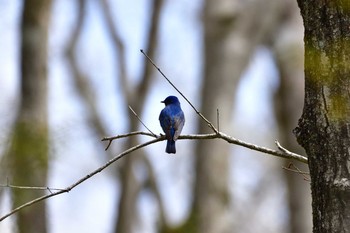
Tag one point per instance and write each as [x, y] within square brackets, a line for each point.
[171, 100]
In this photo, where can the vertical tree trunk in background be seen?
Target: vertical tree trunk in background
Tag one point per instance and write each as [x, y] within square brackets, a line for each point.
[211, 197]
[130, 186]
[287, 111]
[232, 30]
[29, 149]
[288, 50]
[324, 128]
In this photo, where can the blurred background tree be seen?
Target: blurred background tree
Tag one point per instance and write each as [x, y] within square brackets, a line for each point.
[28, 155]
[244, 58]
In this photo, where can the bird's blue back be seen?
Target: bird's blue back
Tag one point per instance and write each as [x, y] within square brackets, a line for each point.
[172, 120]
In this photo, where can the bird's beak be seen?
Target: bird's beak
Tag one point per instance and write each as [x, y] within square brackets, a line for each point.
[162, 101]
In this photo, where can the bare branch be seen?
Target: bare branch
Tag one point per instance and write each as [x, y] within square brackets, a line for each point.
[127, 135]
[286, 155]
[110, 139]
[220, 135]
[283, 154]
[141, 120]
[69, 188]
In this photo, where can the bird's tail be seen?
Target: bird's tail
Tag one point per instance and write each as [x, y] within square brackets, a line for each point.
[170, 147]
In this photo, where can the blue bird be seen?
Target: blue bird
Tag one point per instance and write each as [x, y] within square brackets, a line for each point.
[172, 120]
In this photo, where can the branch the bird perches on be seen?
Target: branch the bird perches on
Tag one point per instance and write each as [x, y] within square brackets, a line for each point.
[281, 152]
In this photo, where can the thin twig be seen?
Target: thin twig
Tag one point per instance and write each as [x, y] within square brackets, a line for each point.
[298, 171]
[281, 148]
[108, 145]
[295, 170]
[291, 154]
[128, 135]
[28, 187]
[110, 139]
[132, 110]
[194, 108]
[218, 119]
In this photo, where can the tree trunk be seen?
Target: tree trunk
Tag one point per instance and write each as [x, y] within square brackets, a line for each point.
[288, 105]
[324, 128]
[230, 39]
[130, 186]
[29, 149]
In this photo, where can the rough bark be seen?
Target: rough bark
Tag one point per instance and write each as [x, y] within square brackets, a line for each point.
[323, 129]
[28, 153]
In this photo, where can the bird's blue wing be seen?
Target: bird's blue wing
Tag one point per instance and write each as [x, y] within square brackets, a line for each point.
[172, 120]
[178, 122]
[166, 123]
